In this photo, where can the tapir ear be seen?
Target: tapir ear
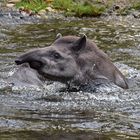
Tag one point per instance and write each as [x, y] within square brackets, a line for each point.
[59, 35]
[79, 44]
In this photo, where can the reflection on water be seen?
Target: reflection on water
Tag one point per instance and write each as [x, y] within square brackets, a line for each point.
[47, 113]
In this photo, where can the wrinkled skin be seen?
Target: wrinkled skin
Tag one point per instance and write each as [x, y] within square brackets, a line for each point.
[71, 59]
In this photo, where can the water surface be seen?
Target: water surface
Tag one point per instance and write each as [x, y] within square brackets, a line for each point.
[45, 113]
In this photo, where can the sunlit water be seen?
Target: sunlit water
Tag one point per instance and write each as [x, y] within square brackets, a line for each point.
[109, 113]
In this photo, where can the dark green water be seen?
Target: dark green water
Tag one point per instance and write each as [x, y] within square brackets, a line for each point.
[45, 113]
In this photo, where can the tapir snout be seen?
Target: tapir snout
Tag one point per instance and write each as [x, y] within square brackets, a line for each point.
[33, 58]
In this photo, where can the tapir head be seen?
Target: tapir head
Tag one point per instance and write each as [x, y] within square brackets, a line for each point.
[72, 58]
[55, 62]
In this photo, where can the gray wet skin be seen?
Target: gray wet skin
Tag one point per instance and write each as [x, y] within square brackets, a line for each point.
[73, 59]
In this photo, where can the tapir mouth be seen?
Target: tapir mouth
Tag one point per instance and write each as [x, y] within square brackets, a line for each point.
[58, 78]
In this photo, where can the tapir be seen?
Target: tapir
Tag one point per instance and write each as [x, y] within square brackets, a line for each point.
[73, 59]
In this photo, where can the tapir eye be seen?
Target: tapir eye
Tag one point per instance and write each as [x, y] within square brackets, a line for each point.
[57, 55]
[54, 55]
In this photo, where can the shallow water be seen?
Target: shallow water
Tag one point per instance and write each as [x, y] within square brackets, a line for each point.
[109, 113]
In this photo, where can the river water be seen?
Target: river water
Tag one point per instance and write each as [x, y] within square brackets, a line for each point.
[35, 113]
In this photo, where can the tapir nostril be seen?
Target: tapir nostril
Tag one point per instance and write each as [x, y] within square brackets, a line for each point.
[18, 62]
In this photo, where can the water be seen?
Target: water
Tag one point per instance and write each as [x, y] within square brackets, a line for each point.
[46, 113]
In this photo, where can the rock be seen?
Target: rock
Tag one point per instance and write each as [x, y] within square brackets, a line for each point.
[13, 1]
[10, 5]
[50, 9]
[42, 13]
